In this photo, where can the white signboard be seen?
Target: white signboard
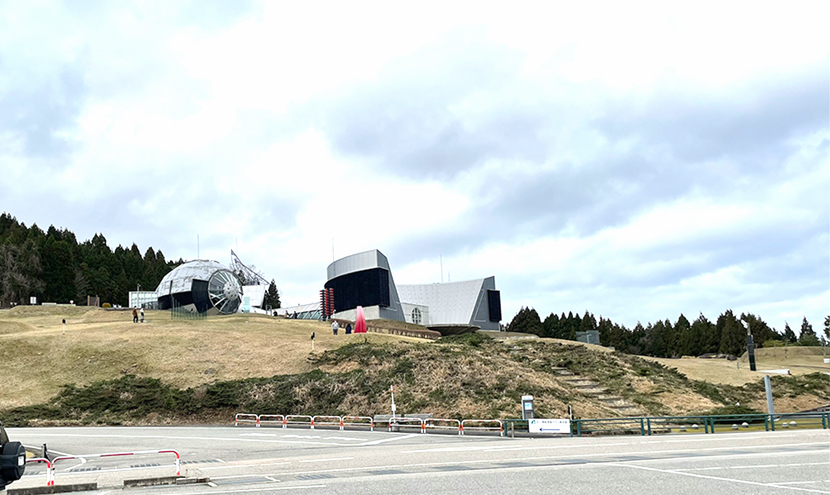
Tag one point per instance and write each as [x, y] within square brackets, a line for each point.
[549, 425]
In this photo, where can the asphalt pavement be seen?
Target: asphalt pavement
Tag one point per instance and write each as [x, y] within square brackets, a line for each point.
[275, 460]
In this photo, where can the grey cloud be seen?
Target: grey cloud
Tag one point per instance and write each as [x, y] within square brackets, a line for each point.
[38, 113]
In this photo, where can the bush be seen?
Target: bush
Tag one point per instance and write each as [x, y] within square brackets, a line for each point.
[106, 305]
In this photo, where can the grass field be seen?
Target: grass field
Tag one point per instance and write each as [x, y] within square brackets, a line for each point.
[265, 362]
[37, 357]
[799, 360]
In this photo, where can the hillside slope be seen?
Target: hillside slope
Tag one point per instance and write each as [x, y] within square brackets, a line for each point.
[203, 371]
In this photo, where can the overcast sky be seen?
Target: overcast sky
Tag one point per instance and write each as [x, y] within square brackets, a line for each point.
[635, 160]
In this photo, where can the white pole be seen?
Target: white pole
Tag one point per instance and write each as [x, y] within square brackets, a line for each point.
[392, 390]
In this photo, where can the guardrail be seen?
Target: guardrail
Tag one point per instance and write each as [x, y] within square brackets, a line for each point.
[50, 474]
[442, 424]
[700, 424]
[245, 418]
[484, 425]
[357, 421]
[326, 421]
[120, 454]
[403, 422]
[298, 420]
[271, 418]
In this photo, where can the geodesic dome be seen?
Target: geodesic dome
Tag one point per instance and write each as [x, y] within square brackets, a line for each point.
[203, 286]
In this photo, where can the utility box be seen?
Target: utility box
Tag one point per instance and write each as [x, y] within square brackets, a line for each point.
[527, 407]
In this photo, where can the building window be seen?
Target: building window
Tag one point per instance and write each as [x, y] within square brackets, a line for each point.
[416, 316]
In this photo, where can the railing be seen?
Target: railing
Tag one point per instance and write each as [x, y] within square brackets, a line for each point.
[326, 421]
[357, 421]
[482, 425]
[246, 418]
[298, 420]
[442, 424]
[50, 473]
[395, 422]
[278, 419]
[700, 424]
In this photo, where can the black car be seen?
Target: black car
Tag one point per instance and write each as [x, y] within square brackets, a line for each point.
[12, 459]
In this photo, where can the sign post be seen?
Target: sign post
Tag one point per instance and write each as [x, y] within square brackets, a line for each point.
[549, 426]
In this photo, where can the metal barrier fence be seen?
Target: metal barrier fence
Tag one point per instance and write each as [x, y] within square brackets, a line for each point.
[326, 421]
[483, 425]
[442, 424]
[641, 425]
[272, 418]
[357, 421]
[298, 420]
[700, 424]
[246, 418]
[50, 473]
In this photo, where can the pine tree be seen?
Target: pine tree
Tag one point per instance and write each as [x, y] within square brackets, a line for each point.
[732, 332]
[526, 321]
[272, 297]
[808, 335]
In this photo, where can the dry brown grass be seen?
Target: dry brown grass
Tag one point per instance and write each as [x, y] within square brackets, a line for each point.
[799, 360]
[36, 358]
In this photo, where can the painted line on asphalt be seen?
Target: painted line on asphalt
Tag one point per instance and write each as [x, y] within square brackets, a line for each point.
[756, 466]
[207, 439]
[717, 478]
[249, 490]
[377, 442]
[236, 466]
[328, 460]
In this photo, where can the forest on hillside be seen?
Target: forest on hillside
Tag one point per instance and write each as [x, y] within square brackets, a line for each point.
[55, 267]
[726, 335]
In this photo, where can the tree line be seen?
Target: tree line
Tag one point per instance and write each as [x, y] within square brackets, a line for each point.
[55, 267]
[726, 335]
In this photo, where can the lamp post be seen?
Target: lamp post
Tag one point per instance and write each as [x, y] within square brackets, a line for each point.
[750, 346]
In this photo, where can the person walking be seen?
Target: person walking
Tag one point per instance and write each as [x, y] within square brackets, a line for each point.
[142, 315]
[135, 315]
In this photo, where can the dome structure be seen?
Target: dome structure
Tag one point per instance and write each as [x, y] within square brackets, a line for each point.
[203, 286]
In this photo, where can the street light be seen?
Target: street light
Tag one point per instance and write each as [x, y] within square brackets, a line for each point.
[750, 346]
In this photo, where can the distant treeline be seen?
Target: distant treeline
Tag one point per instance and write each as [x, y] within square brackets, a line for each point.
[666, 339]
[55, 267]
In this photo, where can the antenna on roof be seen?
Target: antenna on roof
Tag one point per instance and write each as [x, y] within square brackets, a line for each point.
[441, 262]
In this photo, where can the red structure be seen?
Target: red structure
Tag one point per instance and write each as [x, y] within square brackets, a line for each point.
[360, 321]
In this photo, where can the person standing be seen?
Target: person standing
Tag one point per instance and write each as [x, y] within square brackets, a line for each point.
[348, 328]
[135, 315]
[142, 315]
[335, 326]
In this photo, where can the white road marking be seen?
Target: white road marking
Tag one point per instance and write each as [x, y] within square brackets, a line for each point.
[376, 442]
[250, 490]
[755, 466]
[235, 466]
[717, 478]
[209, 439]
[329, 460]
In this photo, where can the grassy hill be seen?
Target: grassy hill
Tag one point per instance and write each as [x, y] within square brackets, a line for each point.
[204, 370]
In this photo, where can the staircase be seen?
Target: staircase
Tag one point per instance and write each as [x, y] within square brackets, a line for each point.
[592, 389]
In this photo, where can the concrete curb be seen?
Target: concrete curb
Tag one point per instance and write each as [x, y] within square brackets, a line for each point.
[165, 480]
[77, 487]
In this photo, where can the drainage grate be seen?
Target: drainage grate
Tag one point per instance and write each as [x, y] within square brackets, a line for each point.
[321, 476]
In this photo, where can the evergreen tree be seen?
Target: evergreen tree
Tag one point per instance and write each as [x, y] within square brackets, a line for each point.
[808, 335]
[733, 334]
[526, 321]
[827, 327]
[20, 272]
[272, 297]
